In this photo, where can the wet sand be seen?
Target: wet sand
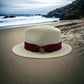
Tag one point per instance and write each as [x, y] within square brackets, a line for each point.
[63, 70]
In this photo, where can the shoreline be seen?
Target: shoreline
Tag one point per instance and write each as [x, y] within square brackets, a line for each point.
[25, 25]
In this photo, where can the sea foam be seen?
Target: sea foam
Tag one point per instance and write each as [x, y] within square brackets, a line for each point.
[19, 21]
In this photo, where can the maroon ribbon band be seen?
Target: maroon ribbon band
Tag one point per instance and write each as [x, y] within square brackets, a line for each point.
[47, 48]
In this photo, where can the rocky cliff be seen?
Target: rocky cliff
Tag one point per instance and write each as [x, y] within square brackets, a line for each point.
[75, 10]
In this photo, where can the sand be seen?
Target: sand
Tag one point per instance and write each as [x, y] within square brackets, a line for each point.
[63, 70]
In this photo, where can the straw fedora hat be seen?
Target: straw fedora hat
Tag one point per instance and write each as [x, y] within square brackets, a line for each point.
[42, 42]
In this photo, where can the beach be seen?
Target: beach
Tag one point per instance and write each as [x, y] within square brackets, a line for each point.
[68, 69]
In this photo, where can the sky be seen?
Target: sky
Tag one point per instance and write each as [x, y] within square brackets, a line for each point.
[31, 6]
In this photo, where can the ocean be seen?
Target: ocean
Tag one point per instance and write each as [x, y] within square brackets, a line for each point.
[24, 20]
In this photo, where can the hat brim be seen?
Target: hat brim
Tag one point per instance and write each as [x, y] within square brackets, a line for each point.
[20, 51]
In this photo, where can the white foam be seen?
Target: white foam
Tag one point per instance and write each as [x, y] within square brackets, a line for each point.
[24, 21]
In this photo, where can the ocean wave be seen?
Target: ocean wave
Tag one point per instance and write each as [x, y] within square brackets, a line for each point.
[24, 21]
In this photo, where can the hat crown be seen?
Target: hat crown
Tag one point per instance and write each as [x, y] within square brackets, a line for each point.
[42, 35]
